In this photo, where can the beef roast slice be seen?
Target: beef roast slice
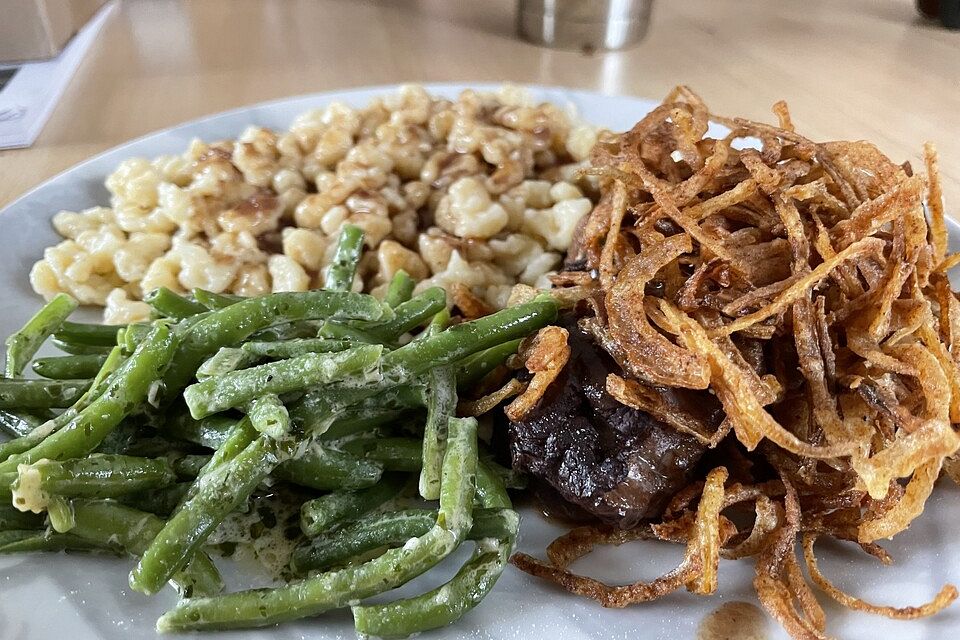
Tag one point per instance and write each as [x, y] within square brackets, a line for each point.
[619, 464]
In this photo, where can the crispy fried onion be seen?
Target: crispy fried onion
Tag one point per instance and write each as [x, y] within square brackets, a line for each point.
[646, 353]
[751, 422]
[801, 284]
[544, 358]
[943, 599]
[467, 301]
[490, 401]
[792, 293]
[697, 572]
[778, 582]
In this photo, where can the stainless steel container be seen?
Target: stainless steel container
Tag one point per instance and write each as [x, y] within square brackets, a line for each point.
[590, 25]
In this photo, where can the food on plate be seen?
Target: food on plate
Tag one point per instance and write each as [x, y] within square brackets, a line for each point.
[783, 307]
[617, 463]
[748, 344]
[474, 194]
[306, 421]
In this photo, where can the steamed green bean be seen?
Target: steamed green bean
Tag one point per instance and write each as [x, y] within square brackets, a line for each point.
[227, 403]
[107, 522]
[96, 476]
[128, 389]
[69, 367]
[321, 513]
[22, 345]
[172, 305]
[40, 394]
[312, 596]
[268, 415]
[400, 289]
[100, 335]
[235, 388]
[341, 271]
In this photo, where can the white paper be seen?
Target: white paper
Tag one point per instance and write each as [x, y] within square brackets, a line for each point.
[28, 98]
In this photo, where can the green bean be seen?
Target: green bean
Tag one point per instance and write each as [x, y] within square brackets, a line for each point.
[312, 596]
[132, 438]
[108, 522]
[472, 369]
[219, 490]
[226, 360]
[172, 305]
[22, 345]
[407, 316]
[404, 454]
[439, 322]
[380, 530]
[7, 478]
[98, 335]
[209, 432]
[18, 425]
[126, 390]
[136, 333]
[52, 425]
[239, 437]
[353, 422]
[236, 323]
[40, 394]
[96, 476]
[15, 541]
[395, 454]
[288, 331]
[327, 469]
[315, 410]
[366, 534]
[69, 367]
[318, 467]
[161, 502]
[320, 514]
[437, 608]
[504, 477]
[238, 387]
[268, 415]
[338, 331]
[12, 518]
[102, 380]
[81, 349]
[189, 467]
[295, 347]
[462, 340]
[214, 301]
[342, 269]
[441, 401]
[400, 289]
[60, 514]
[228, 486]
[447, 603]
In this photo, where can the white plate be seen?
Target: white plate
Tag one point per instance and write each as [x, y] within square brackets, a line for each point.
[78, 597]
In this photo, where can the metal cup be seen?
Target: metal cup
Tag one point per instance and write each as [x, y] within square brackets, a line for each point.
[589, 25]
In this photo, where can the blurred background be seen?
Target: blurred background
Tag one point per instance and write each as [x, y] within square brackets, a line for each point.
[872, 69]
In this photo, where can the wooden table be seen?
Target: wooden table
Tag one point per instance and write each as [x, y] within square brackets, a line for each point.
[854, 69]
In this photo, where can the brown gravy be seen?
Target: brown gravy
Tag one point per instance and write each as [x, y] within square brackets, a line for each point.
[734, 621]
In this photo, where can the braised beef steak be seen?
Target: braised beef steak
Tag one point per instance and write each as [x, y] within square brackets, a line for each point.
[617, 463]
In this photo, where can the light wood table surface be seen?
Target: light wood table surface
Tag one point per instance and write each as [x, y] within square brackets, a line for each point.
[850, 69]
